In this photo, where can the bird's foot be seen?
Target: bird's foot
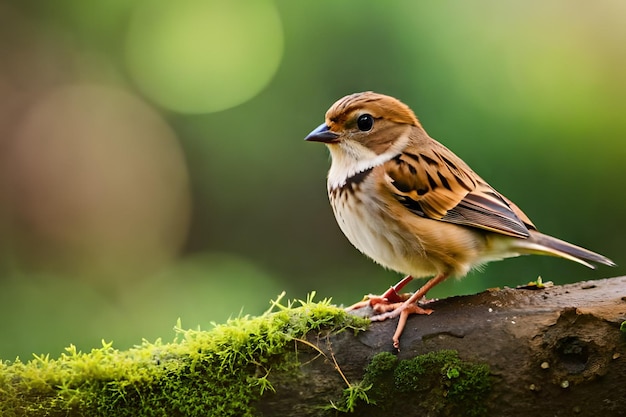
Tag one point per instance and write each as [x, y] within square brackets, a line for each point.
[379, 303]
[404, 310]
[391, 311]
[387, 301]
[393, 304]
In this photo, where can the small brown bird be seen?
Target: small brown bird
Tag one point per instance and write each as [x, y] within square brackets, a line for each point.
[409, 203]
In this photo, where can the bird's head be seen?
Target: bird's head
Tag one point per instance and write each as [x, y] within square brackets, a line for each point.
[364, 125]
[362, 131]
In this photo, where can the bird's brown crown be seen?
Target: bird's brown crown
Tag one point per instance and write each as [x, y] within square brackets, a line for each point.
[378, 105]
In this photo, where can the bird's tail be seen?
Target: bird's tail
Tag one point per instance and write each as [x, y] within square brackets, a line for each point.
[541, 244]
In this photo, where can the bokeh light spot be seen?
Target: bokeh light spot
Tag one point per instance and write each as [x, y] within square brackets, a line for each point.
[98, 185]
[197, 56]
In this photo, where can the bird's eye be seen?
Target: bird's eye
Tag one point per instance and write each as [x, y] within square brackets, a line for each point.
[365, 122]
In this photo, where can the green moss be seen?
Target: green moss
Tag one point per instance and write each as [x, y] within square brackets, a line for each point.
[357, 393]
[381, 364]
[351, 397]
[622, 327]
[437, 382]
[202, 373]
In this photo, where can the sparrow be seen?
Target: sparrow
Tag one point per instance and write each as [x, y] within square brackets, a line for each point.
[411, 205]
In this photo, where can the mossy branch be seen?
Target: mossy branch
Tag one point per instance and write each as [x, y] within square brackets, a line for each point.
[540, 351]
[219, 372]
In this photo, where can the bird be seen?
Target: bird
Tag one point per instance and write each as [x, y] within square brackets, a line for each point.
[413, 206]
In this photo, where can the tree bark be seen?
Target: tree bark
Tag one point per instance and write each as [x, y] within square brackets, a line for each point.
[553, 351]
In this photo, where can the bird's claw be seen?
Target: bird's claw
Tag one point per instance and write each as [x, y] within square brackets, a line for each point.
[404, 311]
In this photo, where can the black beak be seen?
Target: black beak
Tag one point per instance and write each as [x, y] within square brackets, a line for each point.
[322, 134]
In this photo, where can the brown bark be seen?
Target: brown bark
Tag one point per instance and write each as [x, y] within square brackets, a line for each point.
[555, 351]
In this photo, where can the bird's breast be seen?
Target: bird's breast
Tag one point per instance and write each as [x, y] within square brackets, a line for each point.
[367, 221]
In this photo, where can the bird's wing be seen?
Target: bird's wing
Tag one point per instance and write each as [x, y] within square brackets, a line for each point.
[435, 183]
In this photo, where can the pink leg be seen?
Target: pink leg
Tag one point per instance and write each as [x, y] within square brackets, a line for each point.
[409, 307]
[390, 297]
[392, 294]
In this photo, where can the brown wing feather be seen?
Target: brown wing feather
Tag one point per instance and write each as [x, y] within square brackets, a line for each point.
[519, 213]
[433, 182]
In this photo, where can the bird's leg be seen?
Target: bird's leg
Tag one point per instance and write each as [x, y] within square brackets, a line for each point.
[409, 307]
[390, 299]
[392, 294]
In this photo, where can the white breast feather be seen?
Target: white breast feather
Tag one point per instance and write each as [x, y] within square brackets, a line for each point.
[350, 158]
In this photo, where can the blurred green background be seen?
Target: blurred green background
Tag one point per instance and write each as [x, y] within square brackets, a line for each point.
[152, 164]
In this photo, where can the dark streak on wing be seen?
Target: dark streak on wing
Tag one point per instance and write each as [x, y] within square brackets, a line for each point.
[438, 187]
[431, 182]
[449, 163]
[413, 206]
[412, 156]
[444, 181]
[462, 183]
[428, 159]
[496, 218]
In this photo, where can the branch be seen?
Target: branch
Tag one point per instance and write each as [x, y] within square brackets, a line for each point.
[550, 351]
[515, 352]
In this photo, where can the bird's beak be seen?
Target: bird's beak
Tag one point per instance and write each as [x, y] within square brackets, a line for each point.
[322, 134]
